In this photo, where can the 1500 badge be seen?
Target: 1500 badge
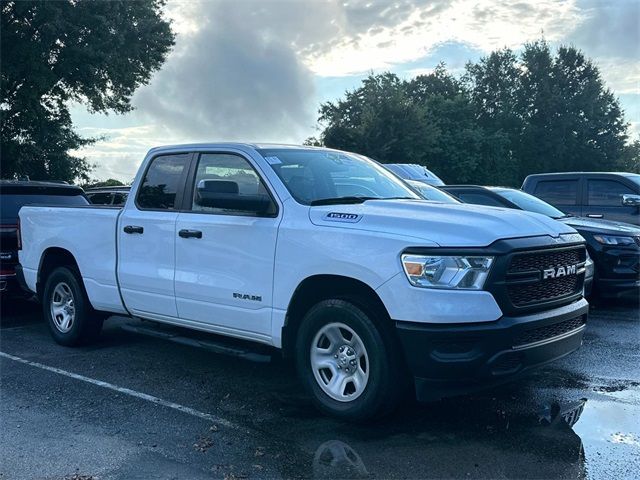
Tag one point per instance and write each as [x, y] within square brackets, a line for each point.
[343, 217]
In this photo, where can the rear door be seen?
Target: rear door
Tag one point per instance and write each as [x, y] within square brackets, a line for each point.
[225, 256]
[604, 199]
[564, 193]
[146, 233]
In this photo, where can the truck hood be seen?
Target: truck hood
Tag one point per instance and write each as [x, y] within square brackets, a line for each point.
[450, 225]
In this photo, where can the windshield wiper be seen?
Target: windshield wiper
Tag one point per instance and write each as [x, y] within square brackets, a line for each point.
[341, 200]
[347, 200]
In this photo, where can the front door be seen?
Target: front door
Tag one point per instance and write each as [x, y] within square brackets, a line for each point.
[146, 238]
[225, 247]
[604, 200]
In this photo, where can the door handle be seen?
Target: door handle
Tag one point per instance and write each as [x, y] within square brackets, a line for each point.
[133, 229]
[190, 233]
[595, 215]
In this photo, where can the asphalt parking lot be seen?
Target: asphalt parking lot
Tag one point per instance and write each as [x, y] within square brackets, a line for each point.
[169, 405]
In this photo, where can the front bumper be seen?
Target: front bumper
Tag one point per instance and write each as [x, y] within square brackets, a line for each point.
[615, 288]
[453, 359]
[617, 270]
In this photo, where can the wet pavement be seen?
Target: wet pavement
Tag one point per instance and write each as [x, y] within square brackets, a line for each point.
[166, 406]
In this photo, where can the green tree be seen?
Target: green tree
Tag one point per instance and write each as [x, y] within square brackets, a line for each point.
[110, 182]
[493, 83]
[536, 146]
[630, 159]
[54, 53]
[554, 112]
[590, 122]
[462, 149]
[380, 120]
[508, 116]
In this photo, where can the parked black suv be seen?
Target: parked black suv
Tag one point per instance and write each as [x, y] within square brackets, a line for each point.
[14, 195]
[613, 246]
[611, 196]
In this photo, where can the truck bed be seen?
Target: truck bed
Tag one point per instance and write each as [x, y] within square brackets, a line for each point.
[88, 233]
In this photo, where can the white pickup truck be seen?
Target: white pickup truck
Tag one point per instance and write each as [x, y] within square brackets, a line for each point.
[325, 255]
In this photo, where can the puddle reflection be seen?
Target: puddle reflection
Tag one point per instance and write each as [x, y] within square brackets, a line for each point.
[541, 445]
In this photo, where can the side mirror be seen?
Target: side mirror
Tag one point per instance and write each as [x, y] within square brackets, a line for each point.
[225, 195]
[631, 200]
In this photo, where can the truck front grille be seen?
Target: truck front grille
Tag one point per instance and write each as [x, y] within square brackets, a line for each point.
[523, 295]
[540, 261]
[526, 283]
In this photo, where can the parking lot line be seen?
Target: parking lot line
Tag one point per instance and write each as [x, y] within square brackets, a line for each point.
[126, 391]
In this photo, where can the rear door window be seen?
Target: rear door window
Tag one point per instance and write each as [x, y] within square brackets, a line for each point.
[163, 180]
[558, 192]
[606, 193]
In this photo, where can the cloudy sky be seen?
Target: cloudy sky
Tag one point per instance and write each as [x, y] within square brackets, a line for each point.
[257, 70]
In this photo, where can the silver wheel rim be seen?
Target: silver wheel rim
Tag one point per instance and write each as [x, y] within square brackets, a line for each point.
[340, 362]
[63, 312]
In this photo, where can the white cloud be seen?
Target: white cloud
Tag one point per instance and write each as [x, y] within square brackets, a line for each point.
[620, 74]
[485, 25]
[123, 149]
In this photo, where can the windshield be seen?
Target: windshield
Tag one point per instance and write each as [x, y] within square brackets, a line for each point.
[414, 172]
[634, 178]
[529, 202]
[432, 193]
[326, 176]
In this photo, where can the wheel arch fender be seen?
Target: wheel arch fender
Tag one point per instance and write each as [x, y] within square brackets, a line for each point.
[316, 288]
[52, 258]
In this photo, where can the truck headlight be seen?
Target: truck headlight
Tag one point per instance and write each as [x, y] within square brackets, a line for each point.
[614, 240]
[454, 272]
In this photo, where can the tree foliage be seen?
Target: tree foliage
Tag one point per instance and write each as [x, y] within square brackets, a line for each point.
[509, 115]
[380, 120]
[109, 182]
[55, 53]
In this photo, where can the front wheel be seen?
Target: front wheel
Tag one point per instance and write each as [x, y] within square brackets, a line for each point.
[349, 361]
[71, 319]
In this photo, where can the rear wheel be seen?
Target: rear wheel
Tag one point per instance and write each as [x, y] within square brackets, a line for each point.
[349, 361]
[71, 319]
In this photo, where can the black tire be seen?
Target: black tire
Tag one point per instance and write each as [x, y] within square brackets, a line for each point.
[387, 376]
[86, 323]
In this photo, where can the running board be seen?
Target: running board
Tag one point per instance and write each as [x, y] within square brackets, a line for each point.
[211, 342]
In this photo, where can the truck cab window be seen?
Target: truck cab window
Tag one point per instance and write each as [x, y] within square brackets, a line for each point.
[161, 182]
[558, 192]
[227, 184]
[607, 193]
